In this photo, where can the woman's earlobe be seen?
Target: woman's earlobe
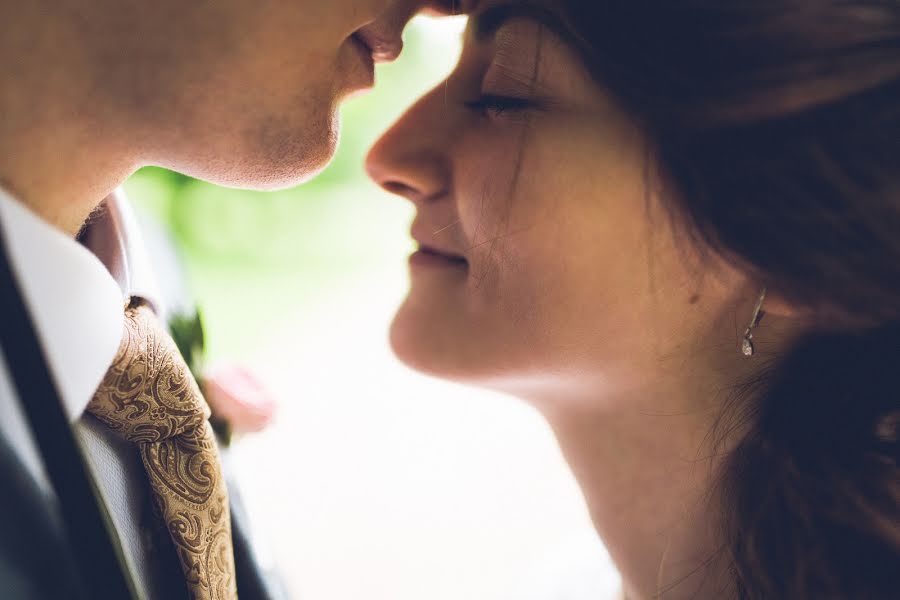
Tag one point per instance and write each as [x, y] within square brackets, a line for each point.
[776, 304]
[823, 317]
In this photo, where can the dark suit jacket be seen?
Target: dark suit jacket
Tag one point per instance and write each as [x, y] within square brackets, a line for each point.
[36, 560]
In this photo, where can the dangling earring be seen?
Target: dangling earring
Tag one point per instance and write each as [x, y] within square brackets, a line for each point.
[747, 343]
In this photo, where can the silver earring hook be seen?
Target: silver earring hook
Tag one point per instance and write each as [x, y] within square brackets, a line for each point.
[747, 348]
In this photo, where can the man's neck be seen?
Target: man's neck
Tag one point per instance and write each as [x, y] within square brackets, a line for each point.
[57, 149]
[62, 184]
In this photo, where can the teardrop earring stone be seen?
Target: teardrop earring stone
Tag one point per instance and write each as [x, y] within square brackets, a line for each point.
[747, 346]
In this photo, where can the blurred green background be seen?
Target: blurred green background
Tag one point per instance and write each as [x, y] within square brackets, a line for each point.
[252, 256]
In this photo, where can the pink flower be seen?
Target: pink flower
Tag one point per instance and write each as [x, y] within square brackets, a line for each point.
[239, 398]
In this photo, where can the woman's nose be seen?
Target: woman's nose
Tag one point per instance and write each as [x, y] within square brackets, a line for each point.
[411, 158]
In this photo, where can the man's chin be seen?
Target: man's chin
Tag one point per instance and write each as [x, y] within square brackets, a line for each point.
[274, 161]
[277, 173]
[271, 179]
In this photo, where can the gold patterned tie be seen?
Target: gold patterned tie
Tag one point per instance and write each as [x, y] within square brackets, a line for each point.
[149, 397]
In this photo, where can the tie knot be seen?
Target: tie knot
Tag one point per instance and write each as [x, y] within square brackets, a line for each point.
[148, 394]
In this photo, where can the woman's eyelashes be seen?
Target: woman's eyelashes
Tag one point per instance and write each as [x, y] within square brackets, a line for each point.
[492, 104]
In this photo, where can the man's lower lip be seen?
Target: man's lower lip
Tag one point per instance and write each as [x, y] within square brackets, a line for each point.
[424, 258]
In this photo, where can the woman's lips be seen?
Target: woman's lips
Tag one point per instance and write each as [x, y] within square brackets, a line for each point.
[429, 257]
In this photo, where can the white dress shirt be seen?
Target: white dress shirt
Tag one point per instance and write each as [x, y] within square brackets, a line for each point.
[77, 304]
[76, 307]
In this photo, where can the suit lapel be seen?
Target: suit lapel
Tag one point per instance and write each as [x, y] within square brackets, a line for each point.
[34, 557]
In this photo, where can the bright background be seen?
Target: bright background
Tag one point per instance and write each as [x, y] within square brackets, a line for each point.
[374, 482]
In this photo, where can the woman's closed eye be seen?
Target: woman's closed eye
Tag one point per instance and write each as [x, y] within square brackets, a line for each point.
[491, 104]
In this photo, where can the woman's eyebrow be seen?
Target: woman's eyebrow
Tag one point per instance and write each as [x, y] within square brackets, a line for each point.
[492, 19]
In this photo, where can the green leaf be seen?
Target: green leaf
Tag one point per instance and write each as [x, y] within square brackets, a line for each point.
[187, 332]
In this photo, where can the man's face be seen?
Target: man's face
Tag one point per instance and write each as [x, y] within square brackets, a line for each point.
[241, 92]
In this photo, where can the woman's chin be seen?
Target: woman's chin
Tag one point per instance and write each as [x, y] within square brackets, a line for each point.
[408, 345]
[431, 347]
[418, 346]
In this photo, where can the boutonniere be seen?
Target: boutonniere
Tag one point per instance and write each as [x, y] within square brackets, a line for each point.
[239, 401]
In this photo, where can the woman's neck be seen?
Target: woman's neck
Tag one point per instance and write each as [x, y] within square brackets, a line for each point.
[648, 474]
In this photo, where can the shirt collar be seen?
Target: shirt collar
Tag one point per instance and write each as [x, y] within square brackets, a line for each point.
[114, 237]
[76, 305]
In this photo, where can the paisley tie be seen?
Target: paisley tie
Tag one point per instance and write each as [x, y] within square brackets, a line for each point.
[150, 398]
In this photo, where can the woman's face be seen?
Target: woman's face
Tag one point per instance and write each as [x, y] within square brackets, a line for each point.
[546, 257]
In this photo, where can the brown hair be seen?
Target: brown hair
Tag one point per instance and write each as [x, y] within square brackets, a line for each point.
[776, 125]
